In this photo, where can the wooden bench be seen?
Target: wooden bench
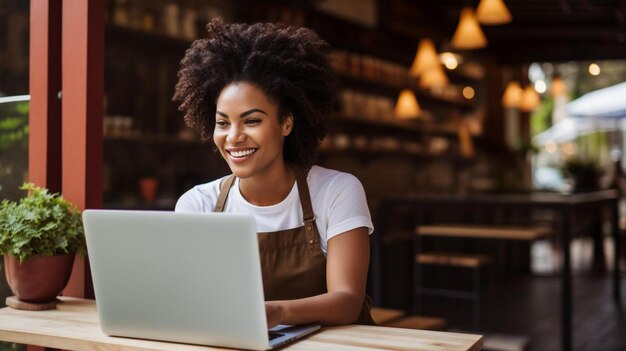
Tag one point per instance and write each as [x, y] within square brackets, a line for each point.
[398, 319]
[383, 316]
[463, 260]
[484, 232]
[418, 322]
[500, 233]
[452, 259]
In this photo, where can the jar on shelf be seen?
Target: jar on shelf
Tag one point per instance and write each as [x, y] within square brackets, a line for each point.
[347, 102]
[171, 20]
[188, 25]
[355, 65]
[120, 13]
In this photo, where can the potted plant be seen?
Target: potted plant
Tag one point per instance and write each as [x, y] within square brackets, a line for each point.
[584, 173]
[39, 237]
[148, 185]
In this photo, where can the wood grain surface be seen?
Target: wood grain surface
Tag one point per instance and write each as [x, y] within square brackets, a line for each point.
[74, 326]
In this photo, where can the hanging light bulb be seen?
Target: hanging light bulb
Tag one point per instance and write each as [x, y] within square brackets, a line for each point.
[469, 92]
[425, 58]
[530, 99]
[407, 106]
[512, 97]
[468, 34]
[540, 86]
[450, 60]
[493, 12]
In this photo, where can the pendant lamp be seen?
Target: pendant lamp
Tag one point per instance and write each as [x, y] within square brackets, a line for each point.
[468, 34]
[426, 58]
[558, 87]
[530, 99]
[512, 97]
[493, 12]
[433, 78]
[407, 106]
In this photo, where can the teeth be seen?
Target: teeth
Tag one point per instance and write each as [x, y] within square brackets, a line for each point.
[242, 153]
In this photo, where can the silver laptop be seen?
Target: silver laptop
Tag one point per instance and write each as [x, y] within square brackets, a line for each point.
[182, 277]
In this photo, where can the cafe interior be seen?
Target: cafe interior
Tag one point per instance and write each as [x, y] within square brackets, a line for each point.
[488, 136]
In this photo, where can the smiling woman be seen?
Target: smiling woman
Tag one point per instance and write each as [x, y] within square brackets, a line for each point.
[264, 93]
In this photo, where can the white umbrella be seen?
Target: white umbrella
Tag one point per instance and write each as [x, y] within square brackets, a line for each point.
[598, 111]
[603, 103]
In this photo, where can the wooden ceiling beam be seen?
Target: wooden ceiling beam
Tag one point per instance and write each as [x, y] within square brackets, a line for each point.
[557, 51]
[528, 33]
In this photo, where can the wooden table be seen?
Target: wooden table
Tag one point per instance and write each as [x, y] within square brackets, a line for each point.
[565, 206]
[74, 326]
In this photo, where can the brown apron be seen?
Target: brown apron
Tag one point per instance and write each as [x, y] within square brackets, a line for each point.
[292, 261]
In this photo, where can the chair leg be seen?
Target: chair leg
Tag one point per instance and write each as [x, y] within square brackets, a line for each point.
[417, 279]
[476, 317]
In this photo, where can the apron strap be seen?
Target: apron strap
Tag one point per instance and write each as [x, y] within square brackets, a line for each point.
[310, 227]
[305, 197]
[224, 190]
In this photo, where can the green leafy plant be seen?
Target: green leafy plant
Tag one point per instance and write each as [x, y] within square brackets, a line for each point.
[14, 125]
[40, 223]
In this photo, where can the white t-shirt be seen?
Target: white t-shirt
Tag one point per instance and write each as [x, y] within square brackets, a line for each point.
[338, 201]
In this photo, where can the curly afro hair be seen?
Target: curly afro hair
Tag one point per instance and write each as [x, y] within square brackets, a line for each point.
[289, 64]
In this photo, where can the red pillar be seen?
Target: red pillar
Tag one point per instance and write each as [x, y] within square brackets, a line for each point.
[44, 149]
[82, 109]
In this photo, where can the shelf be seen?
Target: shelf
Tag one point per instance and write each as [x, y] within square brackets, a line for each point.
[366, 154]
[396, 125]
[152, 40]
[157, 205]
[153, 139]
[458, 75]
[391, 90]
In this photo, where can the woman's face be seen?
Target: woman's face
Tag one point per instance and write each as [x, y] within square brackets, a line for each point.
[248, 132]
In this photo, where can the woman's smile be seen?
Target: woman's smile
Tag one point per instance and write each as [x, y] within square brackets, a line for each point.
[240, 155]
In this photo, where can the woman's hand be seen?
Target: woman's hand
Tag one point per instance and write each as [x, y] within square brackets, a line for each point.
[274, 312]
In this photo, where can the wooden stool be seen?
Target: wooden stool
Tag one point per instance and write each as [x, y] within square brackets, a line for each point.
[473, 262]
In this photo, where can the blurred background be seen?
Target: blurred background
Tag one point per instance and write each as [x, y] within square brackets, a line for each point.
[448, 97]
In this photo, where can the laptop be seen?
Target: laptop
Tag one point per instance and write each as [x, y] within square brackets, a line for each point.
[182, 277]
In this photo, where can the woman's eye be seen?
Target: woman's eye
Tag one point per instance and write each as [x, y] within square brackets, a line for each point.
[253, 121]
[221, 123]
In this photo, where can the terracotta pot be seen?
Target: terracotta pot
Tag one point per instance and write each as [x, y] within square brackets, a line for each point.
[39, 278]
[148, 187]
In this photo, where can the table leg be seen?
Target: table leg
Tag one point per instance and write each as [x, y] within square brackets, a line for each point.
[599, 257]
[377, 264]
[616, 250]
[566, 285]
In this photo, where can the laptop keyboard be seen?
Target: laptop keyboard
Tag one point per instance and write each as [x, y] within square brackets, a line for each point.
[274, 335]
